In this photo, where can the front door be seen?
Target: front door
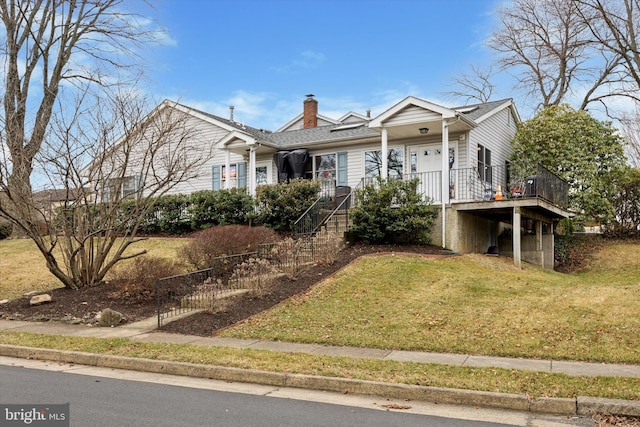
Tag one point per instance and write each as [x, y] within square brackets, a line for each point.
[426, 163]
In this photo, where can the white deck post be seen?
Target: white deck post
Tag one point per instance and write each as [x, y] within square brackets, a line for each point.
[517, 255]
[539, 241]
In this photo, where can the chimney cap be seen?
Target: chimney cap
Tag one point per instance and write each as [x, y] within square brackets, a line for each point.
[309, 96]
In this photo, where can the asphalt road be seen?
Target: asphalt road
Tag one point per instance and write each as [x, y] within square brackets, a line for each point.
[100, 401]
[115, 397]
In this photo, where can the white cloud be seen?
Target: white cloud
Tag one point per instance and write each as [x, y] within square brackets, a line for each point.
[306, 60]
[265, 110]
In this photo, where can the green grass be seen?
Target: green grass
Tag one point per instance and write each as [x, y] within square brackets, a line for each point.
[470, 304]
[535, 384]
[22, 267]
[467, 304]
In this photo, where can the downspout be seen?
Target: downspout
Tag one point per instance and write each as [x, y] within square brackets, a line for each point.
[445, 170]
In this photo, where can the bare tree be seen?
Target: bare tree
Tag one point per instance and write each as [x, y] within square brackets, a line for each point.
[66, 63]
[615, 24]
[475, 85]
[109, 162]
[631, 132]
[549, 48]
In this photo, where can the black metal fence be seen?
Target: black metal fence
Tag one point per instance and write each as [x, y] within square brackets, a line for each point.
[248, 272]
[483, 184]
[183, 293]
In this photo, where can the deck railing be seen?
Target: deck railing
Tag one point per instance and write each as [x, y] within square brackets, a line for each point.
[465, 185]
[482, 184]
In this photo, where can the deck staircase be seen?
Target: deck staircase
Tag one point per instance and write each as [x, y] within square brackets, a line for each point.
[326, 214]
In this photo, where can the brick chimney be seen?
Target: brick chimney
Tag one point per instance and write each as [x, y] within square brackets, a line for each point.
[310, 116]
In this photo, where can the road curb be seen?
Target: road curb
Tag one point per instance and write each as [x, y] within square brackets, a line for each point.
[557, 406]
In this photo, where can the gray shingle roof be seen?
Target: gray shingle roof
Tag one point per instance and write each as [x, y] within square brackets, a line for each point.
[331, 133]
[482, 108]
[259, 134]
[320, 134]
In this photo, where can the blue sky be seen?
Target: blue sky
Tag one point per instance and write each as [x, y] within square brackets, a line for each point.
[264, 56]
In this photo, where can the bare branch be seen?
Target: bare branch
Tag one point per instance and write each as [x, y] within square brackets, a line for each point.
[475, 85]
[550, 48]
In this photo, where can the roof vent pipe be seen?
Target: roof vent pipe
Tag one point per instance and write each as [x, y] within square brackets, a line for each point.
[231, 107]
[368, 113]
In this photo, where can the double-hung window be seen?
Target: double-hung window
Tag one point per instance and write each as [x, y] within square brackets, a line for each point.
[484, 163]
[125, 188]
[325, 166]
[235, 177]
[373, 163]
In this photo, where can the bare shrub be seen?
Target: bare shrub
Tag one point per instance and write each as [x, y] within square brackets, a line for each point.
[257, 275]
[224, 240]
[137, 279]
[326, 247]
[204, 297]
[286, 255]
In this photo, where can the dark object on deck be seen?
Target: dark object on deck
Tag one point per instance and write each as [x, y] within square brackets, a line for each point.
[531, 186]
[493, 250]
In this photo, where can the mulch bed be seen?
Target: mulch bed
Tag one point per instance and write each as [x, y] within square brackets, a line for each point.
[81, 306]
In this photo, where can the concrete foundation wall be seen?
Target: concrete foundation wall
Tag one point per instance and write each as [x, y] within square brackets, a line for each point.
[530, 253]
[467, 233]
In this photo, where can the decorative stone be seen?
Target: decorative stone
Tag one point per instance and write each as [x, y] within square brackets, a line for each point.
[40, 299]
[4, 301]
[109, 318]
[31, 294]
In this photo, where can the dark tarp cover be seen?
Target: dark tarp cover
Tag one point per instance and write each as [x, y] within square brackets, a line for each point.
[280, 158]
[298, 162]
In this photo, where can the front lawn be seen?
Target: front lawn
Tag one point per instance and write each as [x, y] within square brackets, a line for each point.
[469, 304]
[23, 269]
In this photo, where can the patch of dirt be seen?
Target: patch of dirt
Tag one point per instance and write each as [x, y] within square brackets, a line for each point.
[81, 306]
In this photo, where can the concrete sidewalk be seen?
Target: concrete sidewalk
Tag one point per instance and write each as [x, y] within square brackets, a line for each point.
[144, 331]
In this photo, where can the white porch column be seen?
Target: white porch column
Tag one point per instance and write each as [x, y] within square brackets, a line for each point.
[227, 168]
[517, 255]
[251, 173]
[445, 161]
[444, 178]
[383, 153]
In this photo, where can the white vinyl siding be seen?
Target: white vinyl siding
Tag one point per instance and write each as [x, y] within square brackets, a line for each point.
[205, 135]
[494, 134]
[299, 124]
[411, 115]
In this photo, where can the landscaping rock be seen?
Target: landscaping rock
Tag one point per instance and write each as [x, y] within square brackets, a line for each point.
[40, 299]
[31, 294]
[4, 301]
[109, 318]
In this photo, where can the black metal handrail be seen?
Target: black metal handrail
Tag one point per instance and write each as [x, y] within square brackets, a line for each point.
[321, 210]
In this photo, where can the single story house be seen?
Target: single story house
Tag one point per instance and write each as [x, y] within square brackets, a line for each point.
[460, 155]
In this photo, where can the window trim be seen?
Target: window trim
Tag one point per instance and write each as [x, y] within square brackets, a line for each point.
[399, 169]
[485, 171]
